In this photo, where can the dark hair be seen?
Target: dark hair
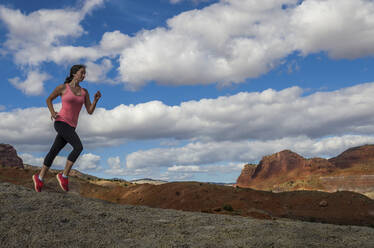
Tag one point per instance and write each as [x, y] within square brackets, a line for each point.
[74, 69]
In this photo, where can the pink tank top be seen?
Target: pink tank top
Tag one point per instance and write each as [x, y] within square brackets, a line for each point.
[71, 106]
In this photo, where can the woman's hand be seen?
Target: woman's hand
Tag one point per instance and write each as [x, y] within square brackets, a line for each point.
[97, 96]
[54, 115]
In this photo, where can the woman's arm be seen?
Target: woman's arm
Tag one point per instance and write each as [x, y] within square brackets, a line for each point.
[57, 92]
[91, 106]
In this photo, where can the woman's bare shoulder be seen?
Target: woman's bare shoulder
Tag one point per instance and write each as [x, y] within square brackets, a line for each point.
[85, 91]
[61, 86]
[60, 89]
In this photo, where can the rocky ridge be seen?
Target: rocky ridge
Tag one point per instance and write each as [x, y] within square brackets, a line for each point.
[286, 170]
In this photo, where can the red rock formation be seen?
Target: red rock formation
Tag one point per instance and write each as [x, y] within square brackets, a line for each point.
[286, 171]
[278, 164]
[353, 156]
[246, 174]
[8, 156]
[356, 183]
[282, 166]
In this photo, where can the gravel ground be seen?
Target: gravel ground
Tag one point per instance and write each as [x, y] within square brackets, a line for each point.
[30, 219]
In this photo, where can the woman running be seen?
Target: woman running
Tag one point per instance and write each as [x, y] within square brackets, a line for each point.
[72, 97]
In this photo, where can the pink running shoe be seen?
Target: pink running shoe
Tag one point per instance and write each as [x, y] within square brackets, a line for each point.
[64, 182]
[38, 185]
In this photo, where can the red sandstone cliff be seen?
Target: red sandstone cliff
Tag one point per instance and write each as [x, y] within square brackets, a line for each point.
[246, 174]
[284, 171]
[8, 156]
[355, 156]
[286, 162]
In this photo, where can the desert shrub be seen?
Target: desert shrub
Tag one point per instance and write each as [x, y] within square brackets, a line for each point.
[228, 207]
[312, 219]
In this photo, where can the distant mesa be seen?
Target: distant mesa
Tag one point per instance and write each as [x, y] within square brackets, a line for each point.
[9, 157]
[352, 170]
[284, 163]
[149, 181]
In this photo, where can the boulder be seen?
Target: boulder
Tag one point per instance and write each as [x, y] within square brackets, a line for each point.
[8, 157]
[323, 203]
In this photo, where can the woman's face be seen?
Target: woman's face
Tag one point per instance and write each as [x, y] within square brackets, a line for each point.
[80, 75]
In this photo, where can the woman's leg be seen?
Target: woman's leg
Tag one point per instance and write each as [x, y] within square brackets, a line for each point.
[68, 133]
[68, 166]
[58, 144]
[43, 171]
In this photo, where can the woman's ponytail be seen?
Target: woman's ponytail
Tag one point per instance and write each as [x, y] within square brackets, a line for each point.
[68, 79]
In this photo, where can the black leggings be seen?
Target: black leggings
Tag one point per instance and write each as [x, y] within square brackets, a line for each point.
[65, 134]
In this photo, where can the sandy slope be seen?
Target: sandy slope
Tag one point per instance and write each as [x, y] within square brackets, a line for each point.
[49, 219]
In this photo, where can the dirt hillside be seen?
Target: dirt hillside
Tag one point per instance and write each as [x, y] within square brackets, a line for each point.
[53, 219]
[345, 208]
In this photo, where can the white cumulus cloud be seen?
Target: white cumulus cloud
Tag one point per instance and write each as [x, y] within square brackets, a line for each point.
[85, 162]
[97, 72]
[204, 157]
[265, 115]
[88, 162]
[40, 36]
[343, 28]
[36, 37]
[30, 159]
[226, 42]
[194, 1]
[233, 40]
[33, 84]
[117, 169]
[247, 115]
[185, 168]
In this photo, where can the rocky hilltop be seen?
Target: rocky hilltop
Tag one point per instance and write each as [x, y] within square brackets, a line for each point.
[9, 157]
[361, 156]
[286, 170]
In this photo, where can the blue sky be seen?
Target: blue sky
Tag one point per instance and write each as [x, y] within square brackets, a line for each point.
[191, 90]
